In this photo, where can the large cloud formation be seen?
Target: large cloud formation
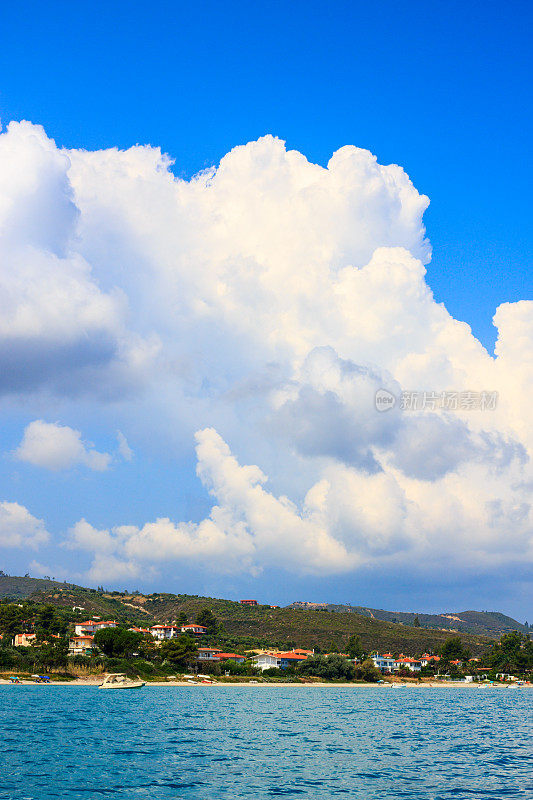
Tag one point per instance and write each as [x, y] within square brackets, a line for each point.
[261, 305]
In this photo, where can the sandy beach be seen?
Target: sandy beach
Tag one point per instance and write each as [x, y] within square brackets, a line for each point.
[262, 685]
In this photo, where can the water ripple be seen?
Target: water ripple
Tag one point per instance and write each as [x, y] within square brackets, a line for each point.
[200, 744]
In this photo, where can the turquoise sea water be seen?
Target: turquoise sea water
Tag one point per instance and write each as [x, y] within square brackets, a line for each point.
[215, 743]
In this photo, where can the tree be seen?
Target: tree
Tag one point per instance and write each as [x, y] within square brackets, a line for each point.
[332, 667]
[180, 652]
[513, 653]
[11, 620]
[416, 623]
[48, 623]
[368, 671]
[118, 642]
[52, 654]
[355, 648]
[182, 618]
[453, 649]
[209, 621]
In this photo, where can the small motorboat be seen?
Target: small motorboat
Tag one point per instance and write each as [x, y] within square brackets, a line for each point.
[119, 680]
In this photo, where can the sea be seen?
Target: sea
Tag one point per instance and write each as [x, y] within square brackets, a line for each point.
[213, 743]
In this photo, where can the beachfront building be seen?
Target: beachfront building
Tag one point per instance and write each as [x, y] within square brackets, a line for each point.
[194, 629]
[384, 663]
[290, 659]
[231, 657]
[208, 653]
[81, 645]
[427, 659]
[412, 664]
[266, 661]
[91, 626]
[24, 639]
[272, 659]
[162, 632]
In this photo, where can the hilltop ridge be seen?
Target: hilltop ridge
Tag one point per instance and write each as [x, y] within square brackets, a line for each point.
[484, 623]
[322, 627]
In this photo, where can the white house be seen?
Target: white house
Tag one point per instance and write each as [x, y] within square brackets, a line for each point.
[267, 661]
[384, 663]
[208, 653]
[193, 629]
[91, 626]
[162, 632]
[412, 664]
[426, 659]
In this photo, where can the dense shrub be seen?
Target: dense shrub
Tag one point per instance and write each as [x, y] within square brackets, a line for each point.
[331, 667]
[367, 671]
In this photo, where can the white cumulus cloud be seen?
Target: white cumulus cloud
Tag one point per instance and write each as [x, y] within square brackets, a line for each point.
[57, 447]
[262, 303]
[19, 528]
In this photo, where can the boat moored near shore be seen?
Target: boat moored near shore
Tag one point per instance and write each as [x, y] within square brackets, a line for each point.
[119, 680]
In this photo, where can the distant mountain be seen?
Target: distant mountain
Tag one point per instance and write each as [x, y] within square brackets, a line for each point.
[482, 623]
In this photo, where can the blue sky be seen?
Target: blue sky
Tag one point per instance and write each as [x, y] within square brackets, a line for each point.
[438, 88]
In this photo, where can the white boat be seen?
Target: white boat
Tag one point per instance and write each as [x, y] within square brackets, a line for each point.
[119, 680]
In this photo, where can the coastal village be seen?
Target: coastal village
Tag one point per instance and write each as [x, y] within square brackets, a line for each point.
[82, 643]
[202, 653]
[76, 634]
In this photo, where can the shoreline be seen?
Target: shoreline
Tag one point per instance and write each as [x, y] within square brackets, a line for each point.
[320, 685]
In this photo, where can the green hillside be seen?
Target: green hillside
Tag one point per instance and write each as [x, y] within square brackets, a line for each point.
[310, 629]
[21, 587]
[483, 623]
[278, 626]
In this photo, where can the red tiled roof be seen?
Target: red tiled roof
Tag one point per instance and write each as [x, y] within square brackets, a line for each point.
[292, 656]
[229, 655]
